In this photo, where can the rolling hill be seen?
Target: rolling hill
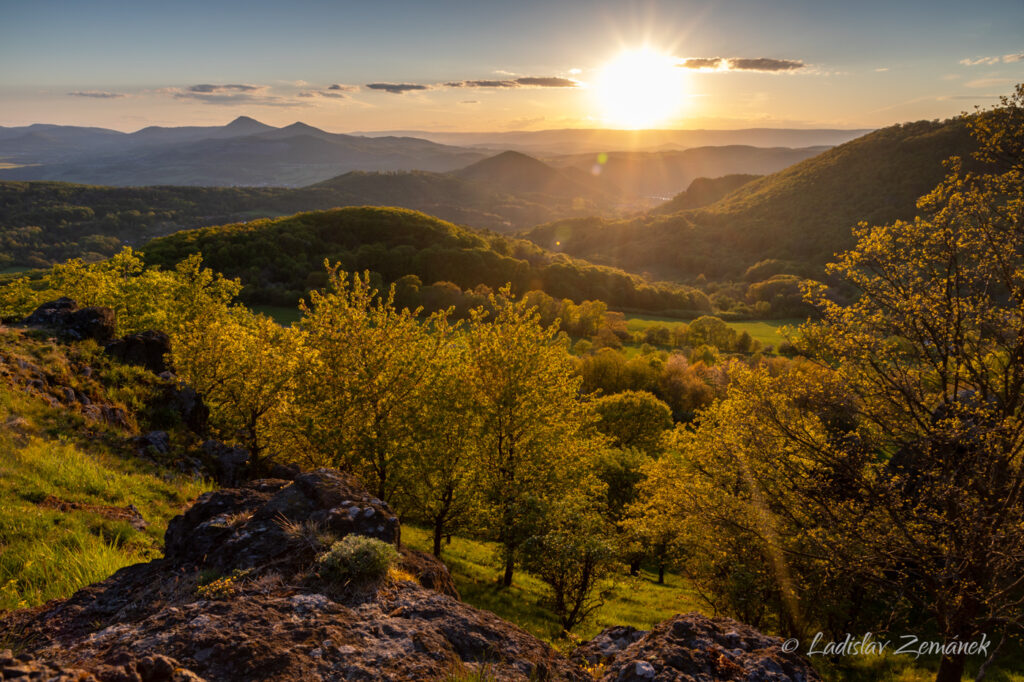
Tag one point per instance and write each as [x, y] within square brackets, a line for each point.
[44, 222]
[804, 213]
[279, 260]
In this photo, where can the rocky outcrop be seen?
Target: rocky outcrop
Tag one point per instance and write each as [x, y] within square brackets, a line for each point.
[238, 597]
[694, 647]
[146, 349]
[269, 616]
[67, 320]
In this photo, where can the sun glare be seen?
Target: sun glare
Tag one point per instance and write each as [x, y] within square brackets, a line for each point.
[640, 89]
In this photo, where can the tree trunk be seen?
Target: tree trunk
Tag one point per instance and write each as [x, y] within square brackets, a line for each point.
[447, 539]
[951, 668]
[510, 564]
[661, 574]
[634, 567]
[437, 538]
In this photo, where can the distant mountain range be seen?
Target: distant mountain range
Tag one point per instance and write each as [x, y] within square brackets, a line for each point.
[592, 141]
[249, 153]
[244, 152]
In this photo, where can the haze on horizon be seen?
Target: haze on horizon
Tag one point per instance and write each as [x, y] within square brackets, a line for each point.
[463, 66]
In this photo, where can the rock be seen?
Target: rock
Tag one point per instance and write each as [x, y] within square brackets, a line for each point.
[187, 403]
[73, 323]
[696, 647]
[607, 644]
[240, 528]
[229, 464]
[429, 571]
[277, 621]
[23, 667]
[146, 349]
[107, 414]
[159, 441]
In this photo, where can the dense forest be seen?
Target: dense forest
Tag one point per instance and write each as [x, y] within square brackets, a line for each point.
[279, 260]
[804, 214]
[46, 222]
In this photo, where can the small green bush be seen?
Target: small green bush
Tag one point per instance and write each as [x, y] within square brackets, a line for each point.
[356, 560]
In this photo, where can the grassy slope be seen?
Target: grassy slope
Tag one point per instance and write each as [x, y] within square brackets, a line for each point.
[52, 452]
[640, 602]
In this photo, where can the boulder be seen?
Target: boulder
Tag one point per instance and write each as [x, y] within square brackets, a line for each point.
[695, 647]
[243, 528]
[429, 571]
[229, 464]
[146, 349]
[70, 322]
[272, 618]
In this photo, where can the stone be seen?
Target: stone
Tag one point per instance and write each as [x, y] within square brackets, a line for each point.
[70, 322]
[146, 349]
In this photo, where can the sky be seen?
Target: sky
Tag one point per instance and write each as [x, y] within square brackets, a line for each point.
[511, 65]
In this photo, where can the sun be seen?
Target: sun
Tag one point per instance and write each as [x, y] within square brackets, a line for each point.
[640, 88]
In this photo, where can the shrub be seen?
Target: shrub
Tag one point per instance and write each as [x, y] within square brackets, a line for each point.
[356, 560]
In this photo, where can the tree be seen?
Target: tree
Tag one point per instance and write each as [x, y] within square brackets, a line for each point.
[535, 432]
[362, 373]
[573, 555]
[443, 476]
[634, 419]
[896, 458]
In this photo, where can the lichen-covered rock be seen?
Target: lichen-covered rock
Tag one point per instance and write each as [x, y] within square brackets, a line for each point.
[242, 528]
[69, 321]
[275, 621]
[695, 647]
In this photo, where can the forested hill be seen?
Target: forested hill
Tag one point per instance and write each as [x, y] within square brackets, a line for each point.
[46, 222]
[803, 214]
[278, 260]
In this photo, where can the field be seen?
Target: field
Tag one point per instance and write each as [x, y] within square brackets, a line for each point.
[765, 331]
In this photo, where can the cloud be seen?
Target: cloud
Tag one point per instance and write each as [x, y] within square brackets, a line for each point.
[397, 88]
[482, 84]
[989, 61]
[311, 94]
[206, 88]
[988, 82]
[523, 82]
[701, 62]
[232, 94]
[547, 82]
[470, 101]
[343, 88]
[882, 69]
[741, 64]
[97, 94]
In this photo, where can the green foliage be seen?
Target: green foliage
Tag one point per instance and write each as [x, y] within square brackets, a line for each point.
[633, 419]
[880, 480]
[363, 370]
[535, 432]
[49, 553]
[356, 561]
[573, 555]
[275, 259]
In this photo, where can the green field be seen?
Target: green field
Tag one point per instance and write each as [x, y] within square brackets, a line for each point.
[283, 315]
[765, 331]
